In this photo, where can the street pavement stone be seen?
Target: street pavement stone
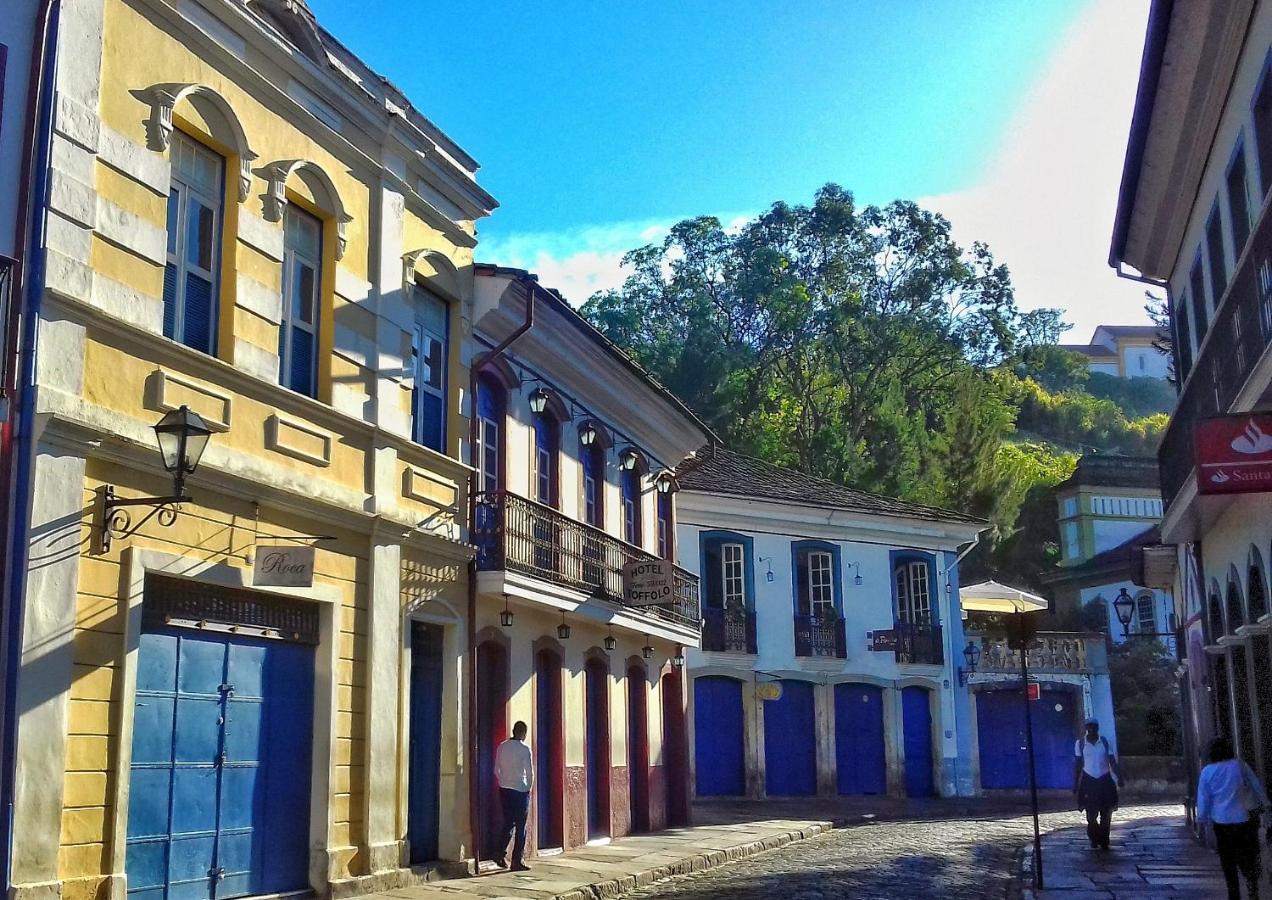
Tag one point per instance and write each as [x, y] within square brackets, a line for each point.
[951, 859]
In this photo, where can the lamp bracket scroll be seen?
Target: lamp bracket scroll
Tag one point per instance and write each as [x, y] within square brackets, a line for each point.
[117, 519]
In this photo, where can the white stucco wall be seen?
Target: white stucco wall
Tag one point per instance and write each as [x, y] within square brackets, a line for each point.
[16, 27]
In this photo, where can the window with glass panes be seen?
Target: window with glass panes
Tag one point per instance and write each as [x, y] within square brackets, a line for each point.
[302, 277]
[914, 599]
[428, 353]
[817, 583]
[194, 238]
[732, 576]
[547, 442]
[594, 485]
[1215, 256]
[1183, 342]
[629, 489]
[1197, 289]
[665, 524]
[490, 409]
[1146, 613]
[1238, 202]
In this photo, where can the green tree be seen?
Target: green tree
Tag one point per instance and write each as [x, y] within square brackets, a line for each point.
[1146, 697]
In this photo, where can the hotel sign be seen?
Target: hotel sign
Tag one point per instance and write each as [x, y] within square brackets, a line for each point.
[648, 582]
[1234, 454]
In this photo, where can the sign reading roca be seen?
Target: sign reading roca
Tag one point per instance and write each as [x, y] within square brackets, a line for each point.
[649, 582]
[283, 567]
[1234, 454]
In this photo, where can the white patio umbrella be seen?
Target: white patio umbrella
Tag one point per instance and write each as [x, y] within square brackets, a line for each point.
[992, 596]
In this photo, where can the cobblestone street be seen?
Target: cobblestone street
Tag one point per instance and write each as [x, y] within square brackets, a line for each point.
[948, 859]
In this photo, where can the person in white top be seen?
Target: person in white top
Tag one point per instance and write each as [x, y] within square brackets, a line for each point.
[1094, 768]
[514, 771]
[1230, 798]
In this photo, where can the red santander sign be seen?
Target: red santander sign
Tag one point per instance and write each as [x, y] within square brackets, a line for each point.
[1234, 454]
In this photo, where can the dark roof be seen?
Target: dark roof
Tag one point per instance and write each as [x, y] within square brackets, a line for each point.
[1114, 470]
[728, 472]
[1145, 99]
[1130, 330]
[554, 299]
[1088, 349]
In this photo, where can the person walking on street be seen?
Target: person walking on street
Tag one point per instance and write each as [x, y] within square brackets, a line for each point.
[1230, 798]
[514, 770]
[1094, 771]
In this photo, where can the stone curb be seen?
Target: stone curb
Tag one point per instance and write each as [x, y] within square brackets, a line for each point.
[602, 890]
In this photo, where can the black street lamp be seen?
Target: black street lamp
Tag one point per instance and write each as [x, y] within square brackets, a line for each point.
[563, 630]
[1124, 608]
[505, 617]
[538, 401]
[182, 436]
[972, 654]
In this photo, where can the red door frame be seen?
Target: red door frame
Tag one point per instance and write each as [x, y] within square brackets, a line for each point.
[675, 742]
[492, 730]
[638, 745]
[548, 677]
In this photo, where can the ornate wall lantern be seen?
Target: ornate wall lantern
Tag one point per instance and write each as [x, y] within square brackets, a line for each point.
[538, 400]
[563, 630]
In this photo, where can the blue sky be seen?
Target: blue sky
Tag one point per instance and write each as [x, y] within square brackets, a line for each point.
[598, 124]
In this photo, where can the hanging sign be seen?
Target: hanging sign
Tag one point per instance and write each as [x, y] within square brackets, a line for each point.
[648, 582]
[1234, 454]
[883, 640]
[283, 567]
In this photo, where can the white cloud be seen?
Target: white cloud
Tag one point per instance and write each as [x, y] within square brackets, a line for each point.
[1046, 203]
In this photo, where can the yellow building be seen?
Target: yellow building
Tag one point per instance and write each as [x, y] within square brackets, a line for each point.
[245, 221]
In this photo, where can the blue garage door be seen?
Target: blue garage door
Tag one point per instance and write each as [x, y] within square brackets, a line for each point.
[1000, 734]
[720, 765]
[219, 793]
[790, 742]
[860, 763]
[916, 713]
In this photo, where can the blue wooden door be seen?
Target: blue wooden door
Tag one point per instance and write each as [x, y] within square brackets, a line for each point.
[916, 715]
[1000, 733]
[425, 751]
[860, 759]
[549, 743]
[219, 780]
[719, 754]
[790, 742]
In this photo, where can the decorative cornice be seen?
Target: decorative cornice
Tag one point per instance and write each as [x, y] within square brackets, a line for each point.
[164, 97]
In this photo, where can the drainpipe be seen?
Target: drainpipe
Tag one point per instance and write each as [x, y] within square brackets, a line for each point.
[29, 248]
[486, 359]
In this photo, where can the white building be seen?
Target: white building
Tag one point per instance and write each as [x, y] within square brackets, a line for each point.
[1126, 351]
[807, 588]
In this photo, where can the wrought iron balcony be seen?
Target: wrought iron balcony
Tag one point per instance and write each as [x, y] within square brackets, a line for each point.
[728, 630]
[919, 644]
[820, 636]
[519, 535]
[1236, 340]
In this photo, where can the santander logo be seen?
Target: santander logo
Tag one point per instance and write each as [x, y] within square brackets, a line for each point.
[1252, 440]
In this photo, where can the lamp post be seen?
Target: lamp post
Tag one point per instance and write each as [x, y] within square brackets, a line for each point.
[972, 655]
[182, 436]
[1025, 630]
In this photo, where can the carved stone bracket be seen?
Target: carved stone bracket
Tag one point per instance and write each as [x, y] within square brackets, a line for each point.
[164, 97]
[277, 173]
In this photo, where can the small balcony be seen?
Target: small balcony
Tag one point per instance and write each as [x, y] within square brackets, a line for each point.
[1049, 653]
[919, 645]
[519, 535]
[728, 630]
[820, 636]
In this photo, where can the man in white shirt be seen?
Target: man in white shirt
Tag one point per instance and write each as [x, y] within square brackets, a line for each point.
[1094, 768]
[514, 771]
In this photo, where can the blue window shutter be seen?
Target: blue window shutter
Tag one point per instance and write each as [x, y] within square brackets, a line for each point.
[302, 362]
[713, 576]
[170, 301]
[198, 313]
[801, 584]
[432, 426]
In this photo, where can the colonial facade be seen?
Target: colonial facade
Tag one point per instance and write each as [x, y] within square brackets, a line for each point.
[832, 639]
[575, 451]
[251, 234]
[1127, 351]
[1193, 220]
[1108, 508]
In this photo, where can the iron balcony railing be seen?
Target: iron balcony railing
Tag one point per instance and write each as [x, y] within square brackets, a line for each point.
[519, 535]
[728, 630]
[1236, 340]
[919, 644]
[820, 636]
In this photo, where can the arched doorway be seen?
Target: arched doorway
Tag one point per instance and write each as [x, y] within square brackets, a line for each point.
[597, 740]
[675, 749]
[916, 717]
[549, 751]
[492, 730]
[718, 730]
[861, 765]
[790, 742]
[638, 747]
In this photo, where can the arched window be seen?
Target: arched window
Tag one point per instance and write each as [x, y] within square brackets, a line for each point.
[1257, 592]
[193, 263]
[1214, 613]
[726, 570]
[666, 525]
[593, 464]
[491, 406]
[430, 343]
[302, 301]
[1145, 612]
[816, 572]
[547, 459]
[1236, 608]
[913, 580]
[629, 493]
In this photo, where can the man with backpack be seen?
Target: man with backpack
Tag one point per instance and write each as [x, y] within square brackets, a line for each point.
[1094, 774]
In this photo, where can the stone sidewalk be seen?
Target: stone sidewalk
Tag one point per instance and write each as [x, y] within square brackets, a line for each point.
[623, 865]
[1154, 857]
